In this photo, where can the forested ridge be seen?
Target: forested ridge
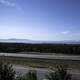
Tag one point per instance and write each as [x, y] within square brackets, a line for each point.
[43, 48]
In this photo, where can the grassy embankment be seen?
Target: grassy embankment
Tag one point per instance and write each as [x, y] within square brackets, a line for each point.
[39, 64]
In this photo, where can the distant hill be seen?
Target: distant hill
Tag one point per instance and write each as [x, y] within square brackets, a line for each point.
[13, 40]
[18, 40]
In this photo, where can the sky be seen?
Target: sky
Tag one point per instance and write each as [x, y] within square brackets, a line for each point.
[48, 20]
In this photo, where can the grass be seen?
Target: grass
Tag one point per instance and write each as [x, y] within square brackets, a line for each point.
[34, 64]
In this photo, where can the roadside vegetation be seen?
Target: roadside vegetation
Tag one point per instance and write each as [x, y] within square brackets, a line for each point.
[73, 49]
[31, 75]
[7, 73]
[38, 64]
[59, 74]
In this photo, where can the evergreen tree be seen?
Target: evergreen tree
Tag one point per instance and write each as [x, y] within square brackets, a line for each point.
[31, 75]
[60, 74]
[6, 72]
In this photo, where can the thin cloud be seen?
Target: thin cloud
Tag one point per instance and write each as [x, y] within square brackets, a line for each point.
[7, 3]
[65, 32]
[10, 4]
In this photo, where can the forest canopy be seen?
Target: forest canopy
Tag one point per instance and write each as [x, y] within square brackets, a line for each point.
[42, 48]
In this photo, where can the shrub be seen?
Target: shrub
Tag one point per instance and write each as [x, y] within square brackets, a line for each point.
[60, 73]
[6, 72]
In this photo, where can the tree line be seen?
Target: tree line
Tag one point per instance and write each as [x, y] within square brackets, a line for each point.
[42, 48]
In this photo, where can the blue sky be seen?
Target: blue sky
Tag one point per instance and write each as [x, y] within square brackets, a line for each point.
[40, 19]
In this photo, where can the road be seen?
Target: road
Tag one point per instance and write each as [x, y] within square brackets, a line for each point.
[22, 70]
[54, 56]
[41, 72]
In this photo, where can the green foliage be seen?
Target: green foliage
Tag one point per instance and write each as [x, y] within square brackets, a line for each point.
[6, 72]
[44, 48]
[31, 75]
[60, 74]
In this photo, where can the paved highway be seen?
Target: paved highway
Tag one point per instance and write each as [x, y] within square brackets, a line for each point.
[41, 72]
[52, 56]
